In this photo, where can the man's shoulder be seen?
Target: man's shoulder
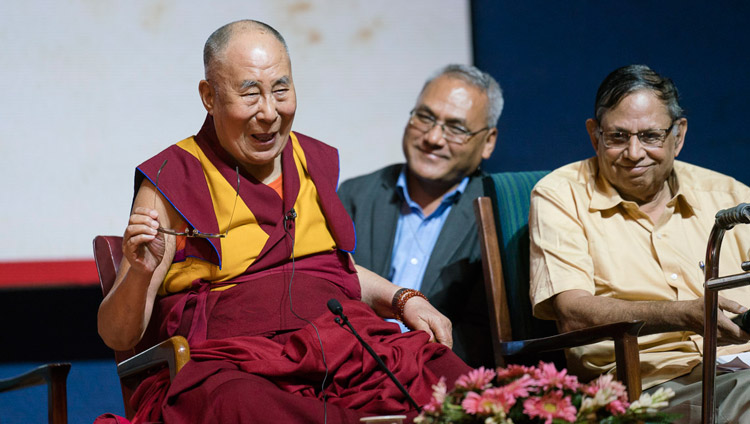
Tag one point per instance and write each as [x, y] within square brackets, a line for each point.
[383, 176]
[697, 178]
[577, 174]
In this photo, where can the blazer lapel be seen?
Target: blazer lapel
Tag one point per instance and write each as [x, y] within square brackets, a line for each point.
[385, 220]
[453, 234]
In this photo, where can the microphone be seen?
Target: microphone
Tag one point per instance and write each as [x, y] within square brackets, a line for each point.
[289, 218]
[728, 218]
[743, 321]
[335, 307]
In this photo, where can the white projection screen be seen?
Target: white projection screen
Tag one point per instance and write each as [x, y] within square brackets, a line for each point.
[92, 88]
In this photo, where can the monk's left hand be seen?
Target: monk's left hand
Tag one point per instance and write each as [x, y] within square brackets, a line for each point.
[419, 314]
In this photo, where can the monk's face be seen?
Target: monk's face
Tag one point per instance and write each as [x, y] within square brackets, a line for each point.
[250, 94]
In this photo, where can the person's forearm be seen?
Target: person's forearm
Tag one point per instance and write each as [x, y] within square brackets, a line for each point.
[659, 316]
[123, 315]
[377, 292]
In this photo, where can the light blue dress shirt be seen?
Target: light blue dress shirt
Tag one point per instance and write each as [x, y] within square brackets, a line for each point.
[416, 236]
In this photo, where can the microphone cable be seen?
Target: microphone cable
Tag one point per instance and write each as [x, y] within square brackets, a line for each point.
[291, 216]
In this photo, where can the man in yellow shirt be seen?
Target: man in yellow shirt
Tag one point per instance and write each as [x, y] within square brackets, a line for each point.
[620, 236]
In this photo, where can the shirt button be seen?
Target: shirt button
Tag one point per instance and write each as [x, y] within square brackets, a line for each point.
[673, 276]
[414, 261]
[658, 235]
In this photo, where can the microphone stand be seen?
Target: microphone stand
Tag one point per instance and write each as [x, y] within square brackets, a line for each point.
[340, 312]
[725, 220]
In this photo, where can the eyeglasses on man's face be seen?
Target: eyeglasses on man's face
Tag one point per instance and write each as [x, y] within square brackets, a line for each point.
[193, 232]
[653, 138]
[424, 121]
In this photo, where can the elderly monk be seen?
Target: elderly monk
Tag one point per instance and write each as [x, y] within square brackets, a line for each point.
[620, 237]
[237, 240]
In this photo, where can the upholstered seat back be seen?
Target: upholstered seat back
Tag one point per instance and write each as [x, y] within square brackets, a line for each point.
[509, 192]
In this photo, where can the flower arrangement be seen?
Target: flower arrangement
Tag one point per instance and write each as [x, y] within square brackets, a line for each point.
[520, 394]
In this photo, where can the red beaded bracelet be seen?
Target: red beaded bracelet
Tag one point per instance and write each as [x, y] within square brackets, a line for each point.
[399, 301]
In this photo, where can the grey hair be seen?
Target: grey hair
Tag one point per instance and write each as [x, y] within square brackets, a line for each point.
[479, 79]
[219, 39]
[628, 79]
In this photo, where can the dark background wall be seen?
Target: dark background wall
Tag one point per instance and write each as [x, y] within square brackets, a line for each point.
[550, 58]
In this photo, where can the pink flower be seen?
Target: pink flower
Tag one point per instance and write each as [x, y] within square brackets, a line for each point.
[483, 404]
[608, 383]
[607, 392]
[477, 379]
[502, 396]
[549, 377]
[512, 371]
[519, 388]
[439, 392]
[617, 407]
[550, 406]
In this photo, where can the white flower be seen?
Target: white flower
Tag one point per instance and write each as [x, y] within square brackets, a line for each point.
[652, 403]
[498, 418]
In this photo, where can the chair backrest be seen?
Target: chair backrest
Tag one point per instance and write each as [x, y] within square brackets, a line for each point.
[108, 255]
[150, 353]
[510, 192]
[502, 218]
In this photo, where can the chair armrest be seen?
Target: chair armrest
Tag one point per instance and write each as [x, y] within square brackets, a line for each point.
[624, 334]
[572, 338]
[40, 375]
[55, 376]
[174, 352]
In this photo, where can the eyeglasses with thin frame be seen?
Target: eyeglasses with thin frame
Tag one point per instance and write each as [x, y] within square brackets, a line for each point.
[193, 232]
[652, 138]
[424, 122]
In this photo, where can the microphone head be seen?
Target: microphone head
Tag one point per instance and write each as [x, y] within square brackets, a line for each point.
[335, 307]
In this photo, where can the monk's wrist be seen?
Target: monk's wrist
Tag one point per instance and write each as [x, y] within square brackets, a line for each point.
[398, 304]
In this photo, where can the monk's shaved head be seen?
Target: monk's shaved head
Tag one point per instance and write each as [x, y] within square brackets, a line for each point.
[217, 42]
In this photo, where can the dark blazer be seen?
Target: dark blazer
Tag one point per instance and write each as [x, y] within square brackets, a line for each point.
[453, 279]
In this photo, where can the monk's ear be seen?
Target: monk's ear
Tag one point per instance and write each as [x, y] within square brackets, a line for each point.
[208, 96]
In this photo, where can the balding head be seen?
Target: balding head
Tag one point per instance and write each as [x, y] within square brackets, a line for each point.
[213, 51]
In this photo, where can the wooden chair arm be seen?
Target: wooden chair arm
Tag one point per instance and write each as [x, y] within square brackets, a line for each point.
[55, 376]
[624, 334]
[174, 352]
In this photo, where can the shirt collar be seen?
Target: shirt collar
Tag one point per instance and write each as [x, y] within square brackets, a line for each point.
[450, 197]
[604, 196]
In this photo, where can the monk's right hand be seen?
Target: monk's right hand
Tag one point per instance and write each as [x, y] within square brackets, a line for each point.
[142, 245]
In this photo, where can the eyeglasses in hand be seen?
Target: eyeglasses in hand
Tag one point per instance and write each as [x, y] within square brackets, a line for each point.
[193, 232]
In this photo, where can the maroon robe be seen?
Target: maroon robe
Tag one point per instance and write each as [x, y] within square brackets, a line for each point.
[253, 359]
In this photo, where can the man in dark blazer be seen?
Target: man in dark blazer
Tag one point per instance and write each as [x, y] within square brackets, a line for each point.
[415, 221]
